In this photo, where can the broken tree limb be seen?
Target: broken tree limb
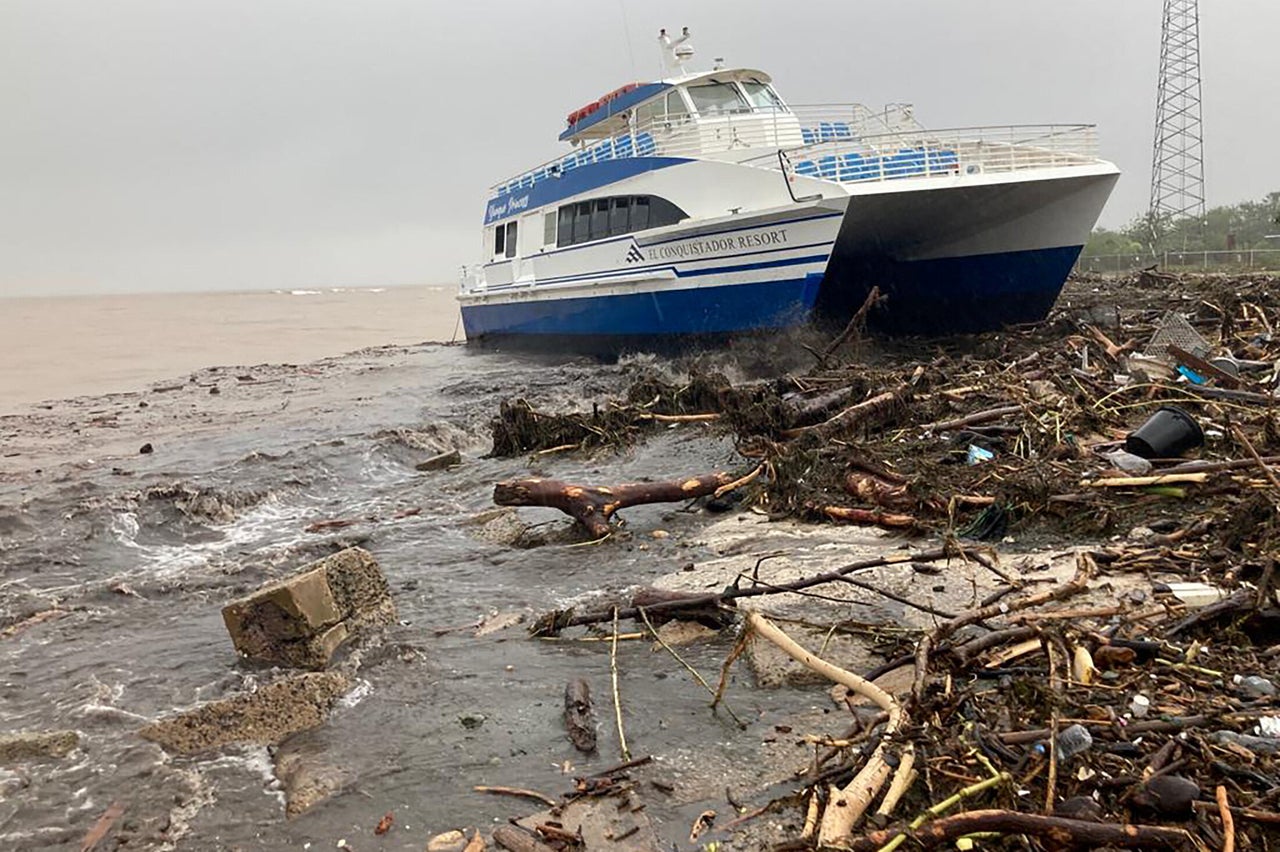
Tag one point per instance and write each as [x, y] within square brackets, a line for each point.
[579, 715]
[1062, 832]
[1139, 481]
[594, 505]
[846, 806]
[867, 517]
[972, 419]
[553, 622]
[853, 329]
[868, 412]
[1085, 569]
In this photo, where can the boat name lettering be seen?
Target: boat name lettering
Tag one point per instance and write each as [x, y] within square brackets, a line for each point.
[511, 205]
[718, 245]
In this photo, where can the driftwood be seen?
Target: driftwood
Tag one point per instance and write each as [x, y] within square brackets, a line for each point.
[553, 622]
[867, 517]
[518, 840]
[1059, 831]
[846, 806]
[706, 613]
[579, 715]
[874, 411]
[593, 505]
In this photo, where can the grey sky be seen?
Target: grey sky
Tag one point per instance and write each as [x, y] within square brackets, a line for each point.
[161, 145]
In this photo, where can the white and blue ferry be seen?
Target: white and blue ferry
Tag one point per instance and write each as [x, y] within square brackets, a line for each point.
[704, 205]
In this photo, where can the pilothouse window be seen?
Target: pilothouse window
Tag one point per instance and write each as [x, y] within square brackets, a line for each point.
[718, 99]
[761, 95]
[511, 239]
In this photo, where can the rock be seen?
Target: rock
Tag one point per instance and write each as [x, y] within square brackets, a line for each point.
[440, 462]
[1168, 795]
[305, 780]
[35, 744]
[302, 620]
[146, 449]
[449, 841]
[266, 716]
[678, 633]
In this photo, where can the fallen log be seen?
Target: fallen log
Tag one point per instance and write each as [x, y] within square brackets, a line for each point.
[553, 622]
[593, 505]
[1060, 831]
[579, 715]
[867, 517]
[972, 419]
[518, 840]
[874, 411]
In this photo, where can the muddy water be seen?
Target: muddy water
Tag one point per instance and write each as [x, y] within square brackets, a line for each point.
[138, 553]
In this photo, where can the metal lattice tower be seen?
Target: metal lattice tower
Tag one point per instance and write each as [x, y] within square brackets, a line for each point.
[1177, 162]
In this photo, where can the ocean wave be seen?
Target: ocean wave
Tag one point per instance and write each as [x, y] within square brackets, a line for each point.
[304, 292]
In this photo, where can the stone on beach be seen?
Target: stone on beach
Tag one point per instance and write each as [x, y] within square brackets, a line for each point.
[28, 745]
[269, 714]
[302, 620]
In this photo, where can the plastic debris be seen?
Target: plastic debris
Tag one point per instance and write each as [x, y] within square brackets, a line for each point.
[1255, 686]
[1072, 741]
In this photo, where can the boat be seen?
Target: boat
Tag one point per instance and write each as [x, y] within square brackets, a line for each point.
[703, 205]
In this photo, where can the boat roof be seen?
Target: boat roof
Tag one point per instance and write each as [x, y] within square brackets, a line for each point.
[610, 107]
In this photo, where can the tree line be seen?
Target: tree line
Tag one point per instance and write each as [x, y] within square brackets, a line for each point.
[1240, 226]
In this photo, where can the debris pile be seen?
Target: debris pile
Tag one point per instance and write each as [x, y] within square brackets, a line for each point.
[1131, 705]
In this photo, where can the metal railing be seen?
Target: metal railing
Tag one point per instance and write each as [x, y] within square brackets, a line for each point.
[1185, 261]
[863, 140]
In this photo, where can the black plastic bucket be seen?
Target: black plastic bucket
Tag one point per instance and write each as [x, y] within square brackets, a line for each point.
[1168, 433]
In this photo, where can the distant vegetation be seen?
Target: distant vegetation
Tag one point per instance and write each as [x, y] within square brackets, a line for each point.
[1237, 226]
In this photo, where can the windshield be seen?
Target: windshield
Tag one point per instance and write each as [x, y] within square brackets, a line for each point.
[762, 95]
[717, 99]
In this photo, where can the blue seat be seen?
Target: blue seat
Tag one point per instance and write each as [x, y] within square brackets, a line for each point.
[806, 167]
[826, 131]
[828, 167]
[809, 135]
[942, 160]
[645, 146]
[841, 130]
[623, 146]
[568, 163]
[604, 151]
[852, 167]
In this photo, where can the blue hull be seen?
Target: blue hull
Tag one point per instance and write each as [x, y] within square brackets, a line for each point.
[943, 296]
[948, 295]
[706, 311]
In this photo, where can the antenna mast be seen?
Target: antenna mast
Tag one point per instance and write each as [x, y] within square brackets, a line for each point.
[1177, 162]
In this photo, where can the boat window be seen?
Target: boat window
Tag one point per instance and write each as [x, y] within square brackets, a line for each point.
[761, 95]
[618, 212]
[582, 224]
[675, 106]
[499, 240]
[612, 217]
[511, 239]
[549, 228]
[663, 212]
[718, 99]
[564, 231]
[640, 214]
[647, 114]
[600, 219]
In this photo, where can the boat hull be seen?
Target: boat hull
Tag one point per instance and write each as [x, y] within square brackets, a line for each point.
[951, 254]
[966, 258]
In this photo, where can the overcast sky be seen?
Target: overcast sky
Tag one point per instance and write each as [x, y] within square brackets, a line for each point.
[152, 145]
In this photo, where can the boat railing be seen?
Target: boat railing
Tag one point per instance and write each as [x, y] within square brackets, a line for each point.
[840, 142]
[937, 152]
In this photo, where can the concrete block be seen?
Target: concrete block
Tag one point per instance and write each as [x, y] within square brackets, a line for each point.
[28, 745]
[265, 716]
[301, 621]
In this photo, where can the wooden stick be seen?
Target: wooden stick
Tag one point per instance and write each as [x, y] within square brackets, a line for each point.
[1244, 439]
[1137, 481]
[617, 700]
[972, 419]
[846, 806]
[1228, 824]
[738, 483]
[518, 792]
[1067, 832]
[697, 676]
